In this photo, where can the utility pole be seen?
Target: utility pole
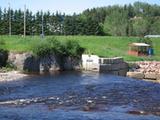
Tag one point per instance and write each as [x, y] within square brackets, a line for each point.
[24, 21]
[10, 20]
[42, 34]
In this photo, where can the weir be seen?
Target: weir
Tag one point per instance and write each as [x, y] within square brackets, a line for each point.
[115, 66]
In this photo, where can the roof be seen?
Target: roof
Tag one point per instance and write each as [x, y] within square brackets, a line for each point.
[152, 36]
[140, 44]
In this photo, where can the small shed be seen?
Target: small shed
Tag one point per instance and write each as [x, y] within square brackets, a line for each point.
[138, 49]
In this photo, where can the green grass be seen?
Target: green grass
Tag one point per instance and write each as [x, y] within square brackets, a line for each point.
[100, 45]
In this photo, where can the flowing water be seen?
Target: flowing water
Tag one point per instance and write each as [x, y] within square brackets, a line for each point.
[79, 96]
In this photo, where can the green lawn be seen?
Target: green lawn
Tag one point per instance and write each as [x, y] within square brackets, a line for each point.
[100, 45]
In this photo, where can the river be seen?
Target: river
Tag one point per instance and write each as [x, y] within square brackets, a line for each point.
[79, 96]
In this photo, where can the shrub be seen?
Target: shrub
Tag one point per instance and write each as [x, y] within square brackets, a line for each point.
[73, 49]
[145, 40]
[52, 46]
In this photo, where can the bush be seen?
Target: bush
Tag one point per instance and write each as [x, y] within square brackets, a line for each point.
[52, 46]
[73, 49]
[145, 40]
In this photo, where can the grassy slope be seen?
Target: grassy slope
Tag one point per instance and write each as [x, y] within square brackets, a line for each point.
[102, 46]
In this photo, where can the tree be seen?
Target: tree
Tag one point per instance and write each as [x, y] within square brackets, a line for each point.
[116, 23]
[155, 27]
[140, 26]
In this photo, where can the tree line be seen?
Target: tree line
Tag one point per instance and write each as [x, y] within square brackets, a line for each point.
[138, 19]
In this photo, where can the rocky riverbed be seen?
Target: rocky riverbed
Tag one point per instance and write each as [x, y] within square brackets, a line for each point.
[79, 96]
[11, 76]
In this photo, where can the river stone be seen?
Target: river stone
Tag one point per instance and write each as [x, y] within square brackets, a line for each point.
[137, 75]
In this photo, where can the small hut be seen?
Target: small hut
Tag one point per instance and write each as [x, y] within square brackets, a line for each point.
[138, 49]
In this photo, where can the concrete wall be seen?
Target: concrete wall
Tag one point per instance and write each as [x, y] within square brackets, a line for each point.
[90, 62]
[115, 66]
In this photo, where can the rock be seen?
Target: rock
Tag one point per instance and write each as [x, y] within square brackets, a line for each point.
[50, 63]
[86, 108]
[11, 76]
[151, 76]
[24, 62]
[71, 63]
[90, 106]
[137, 75]
[136, 112]
[29, 63]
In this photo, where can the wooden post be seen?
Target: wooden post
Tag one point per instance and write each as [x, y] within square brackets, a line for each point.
[24, 20]
[10, 24]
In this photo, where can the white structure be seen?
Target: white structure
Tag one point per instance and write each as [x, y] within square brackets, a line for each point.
[90, 62]
[152, 36]
[115, 66]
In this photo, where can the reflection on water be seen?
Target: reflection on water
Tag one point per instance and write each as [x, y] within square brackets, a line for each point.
[80, 96]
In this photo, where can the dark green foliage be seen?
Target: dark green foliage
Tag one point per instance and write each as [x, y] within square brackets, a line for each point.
[47, 47]
[72, 49]
[146, 40]
[138, 19]
[51, 46]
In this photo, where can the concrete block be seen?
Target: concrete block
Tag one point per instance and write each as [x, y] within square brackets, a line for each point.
[123, 72]
[115, 73]
[151, 76]
[117, 60]
[119, 66]
[105, 67]
[158, 76]
[137, 75]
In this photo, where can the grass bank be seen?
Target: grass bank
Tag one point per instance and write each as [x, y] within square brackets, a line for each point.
[101, 45]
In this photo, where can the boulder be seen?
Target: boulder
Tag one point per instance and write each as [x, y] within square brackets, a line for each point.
[24, 62]
[70, 63]
[50, 63]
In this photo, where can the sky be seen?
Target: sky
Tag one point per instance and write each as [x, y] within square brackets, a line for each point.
[66, 6]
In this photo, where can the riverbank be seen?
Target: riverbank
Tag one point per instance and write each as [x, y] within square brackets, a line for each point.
[147, 70]
[104, 46]
[11, 76]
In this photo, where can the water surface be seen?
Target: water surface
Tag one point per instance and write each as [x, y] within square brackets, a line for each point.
[79, 96]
